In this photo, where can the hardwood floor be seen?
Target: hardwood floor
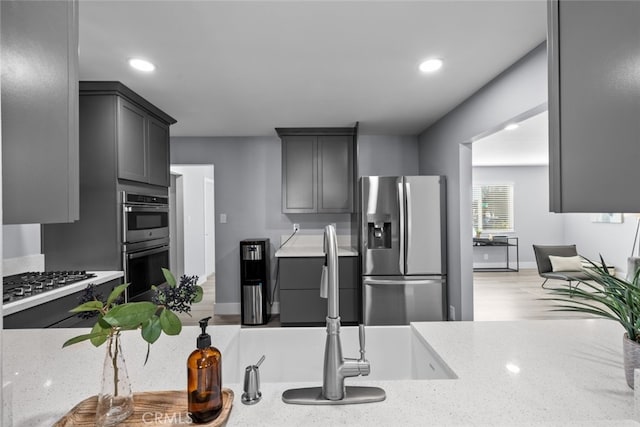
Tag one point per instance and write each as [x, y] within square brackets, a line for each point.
[202, 309]
[497, 296]
[515, 296]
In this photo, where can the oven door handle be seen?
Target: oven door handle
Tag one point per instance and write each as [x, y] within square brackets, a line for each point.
[139, 254]
[129, 208]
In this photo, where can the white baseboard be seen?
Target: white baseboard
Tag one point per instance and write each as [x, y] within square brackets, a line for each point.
[530, 264]
[523, 265]
[226, 308]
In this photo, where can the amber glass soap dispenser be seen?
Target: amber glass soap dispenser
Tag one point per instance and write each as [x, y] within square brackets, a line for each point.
[204, 382]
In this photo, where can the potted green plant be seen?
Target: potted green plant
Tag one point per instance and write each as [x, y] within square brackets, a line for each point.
[152, 318]
[608, 296]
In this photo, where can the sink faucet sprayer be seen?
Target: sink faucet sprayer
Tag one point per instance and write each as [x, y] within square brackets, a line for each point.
[336, 368]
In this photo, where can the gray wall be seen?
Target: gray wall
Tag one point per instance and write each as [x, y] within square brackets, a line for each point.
[248, 186]
[533, 222]
[518, 90]
[388, 155]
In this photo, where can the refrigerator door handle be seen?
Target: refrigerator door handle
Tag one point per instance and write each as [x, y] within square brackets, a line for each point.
[401, 262]
[408, 231]
[384, 282]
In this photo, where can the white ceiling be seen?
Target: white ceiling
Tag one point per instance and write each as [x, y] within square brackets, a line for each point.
[241, 68]
[525, 146]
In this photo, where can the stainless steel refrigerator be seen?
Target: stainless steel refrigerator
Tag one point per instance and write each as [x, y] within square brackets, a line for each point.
[403, 249]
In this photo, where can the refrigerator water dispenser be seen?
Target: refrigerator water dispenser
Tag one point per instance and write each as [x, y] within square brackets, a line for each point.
[379, 235]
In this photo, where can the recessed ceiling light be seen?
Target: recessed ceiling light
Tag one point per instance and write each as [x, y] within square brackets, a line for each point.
[512, 367]
[431, 65]
[511, 126]
[142, 65]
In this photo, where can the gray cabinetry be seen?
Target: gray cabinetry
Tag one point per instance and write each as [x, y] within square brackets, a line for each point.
[40, 166]
[318, 172]
[594, 106]
[142, 132]
[55, 313]
[132, 142]
[158, 153]
[114, 125]
[335, 173]
[300, 302]
[299, 172]
[143, 146]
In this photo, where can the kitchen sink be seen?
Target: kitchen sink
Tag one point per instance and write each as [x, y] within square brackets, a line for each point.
[296, 354]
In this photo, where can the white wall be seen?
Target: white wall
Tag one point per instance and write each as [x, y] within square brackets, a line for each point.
[193, 180]
[21, 249]
[612, 241]
[20, 240]
[533, 223]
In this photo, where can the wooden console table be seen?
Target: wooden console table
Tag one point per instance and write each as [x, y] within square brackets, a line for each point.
[506, 242]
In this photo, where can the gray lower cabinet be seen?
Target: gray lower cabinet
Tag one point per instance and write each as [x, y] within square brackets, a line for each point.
[40, 164]
[318, 170]
[594, 106]
[300, 302]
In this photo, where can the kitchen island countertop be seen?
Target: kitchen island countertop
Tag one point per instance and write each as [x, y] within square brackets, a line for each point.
[521, 373]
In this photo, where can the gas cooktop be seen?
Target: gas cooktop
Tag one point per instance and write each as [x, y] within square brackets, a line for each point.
[24, 285]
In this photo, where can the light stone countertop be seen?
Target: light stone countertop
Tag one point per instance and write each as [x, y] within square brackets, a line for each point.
[527, 373]
[301, 245]
[50, 295]
[311, 251]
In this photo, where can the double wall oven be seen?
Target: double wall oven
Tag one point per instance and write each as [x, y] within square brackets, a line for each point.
[145, 242]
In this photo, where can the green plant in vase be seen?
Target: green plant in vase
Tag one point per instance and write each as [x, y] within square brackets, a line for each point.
[152, 318]
[608, 296]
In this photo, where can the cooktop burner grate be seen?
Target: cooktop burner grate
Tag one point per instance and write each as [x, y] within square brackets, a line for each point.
[23, 285]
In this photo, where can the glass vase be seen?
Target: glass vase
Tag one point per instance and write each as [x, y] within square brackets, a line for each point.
[115, 401]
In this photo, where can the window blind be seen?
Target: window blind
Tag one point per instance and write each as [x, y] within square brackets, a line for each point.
[493, 208]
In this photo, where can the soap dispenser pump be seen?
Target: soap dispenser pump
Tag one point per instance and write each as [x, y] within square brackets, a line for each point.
[204, 382]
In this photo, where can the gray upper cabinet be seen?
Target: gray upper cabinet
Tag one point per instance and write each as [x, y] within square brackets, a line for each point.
[132, 142]
[299, 174]
[40, 160]
[158, 153]
[594, 106]
[141, 130]
[318, 171]
[335, 173]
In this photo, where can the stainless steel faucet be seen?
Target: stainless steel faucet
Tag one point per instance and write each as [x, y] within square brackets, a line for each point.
[336, 368]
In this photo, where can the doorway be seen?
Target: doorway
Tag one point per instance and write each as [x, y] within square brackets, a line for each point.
[510, 193]
[192, 198]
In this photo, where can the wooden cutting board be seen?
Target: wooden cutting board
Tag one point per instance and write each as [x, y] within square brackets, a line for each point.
[152, 408]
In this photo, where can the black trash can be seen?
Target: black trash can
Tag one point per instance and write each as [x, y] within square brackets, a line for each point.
[255, 276]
